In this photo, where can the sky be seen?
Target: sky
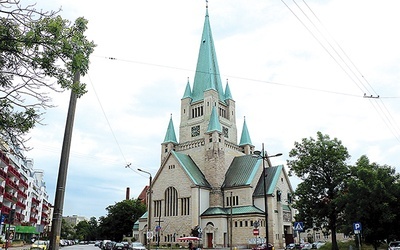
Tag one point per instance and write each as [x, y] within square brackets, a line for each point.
[294, 68]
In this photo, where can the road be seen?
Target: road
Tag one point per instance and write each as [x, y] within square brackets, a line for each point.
[74, 247]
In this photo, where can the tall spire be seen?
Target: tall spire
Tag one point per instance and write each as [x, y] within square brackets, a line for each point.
[245, 138]
[228, 95]
[170, 135]
[214, 124]
[188, 91]
[207, 74]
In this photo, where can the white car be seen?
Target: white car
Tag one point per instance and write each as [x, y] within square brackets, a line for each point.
[137, 246]
[394, 245]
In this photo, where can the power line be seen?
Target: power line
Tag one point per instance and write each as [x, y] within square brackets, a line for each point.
[108, 122]
[378, 105]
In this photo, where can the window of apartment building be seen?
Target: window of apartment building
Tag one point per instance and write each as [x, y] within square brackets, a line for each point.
[185, 206]
[171, 202]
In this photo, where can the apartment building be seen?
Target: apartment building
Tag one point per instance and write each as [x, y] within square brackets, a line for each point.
[23, 193]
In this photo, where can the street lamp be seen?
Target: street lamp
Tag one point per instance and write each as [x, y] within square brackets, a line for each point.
[264, 156]
[148, 235]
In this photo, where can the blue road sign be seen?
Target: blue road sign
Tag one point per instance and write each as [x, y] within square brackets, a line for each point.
[357, 226]
[298, 226]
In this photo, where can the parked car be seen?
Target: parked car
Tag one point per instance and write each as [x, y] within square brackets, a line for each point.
[394, 245]
[103, 244]
[290, 246]
[137, 246]
[307, 246]
[317, 244]
[119, 246]
[264, 247]
[109, 245]
[40, 245]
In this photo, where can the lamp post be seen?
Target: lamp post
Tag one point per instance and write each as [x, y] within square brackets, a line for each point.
[264, 156]
[149, 209]
[231, 225]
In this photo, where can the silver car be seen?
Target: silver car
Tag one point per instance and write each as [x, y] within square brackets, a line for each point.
[394, 245]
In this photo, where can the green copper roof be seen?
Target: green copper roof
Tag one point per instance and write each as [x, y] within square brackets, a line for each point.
[273, 174]
[188, 91]
[207, 72]
[214, 124]
[191, 169]
[211, 211]
[241, 172]
[170, 135]
[245, 138]
[136, 225]
[228, 95]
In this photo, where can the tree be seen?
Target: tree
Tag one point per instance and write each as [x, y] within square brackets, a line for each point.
[39, 52]
[120, 219]
[372, 198]
[321, 165]
[67, 230]
[93, 229]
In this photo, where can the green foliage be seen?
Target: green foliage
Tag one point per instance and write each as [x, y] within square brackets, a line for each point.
[320, 163]
[67, 231]
[120, 219]
[39, 51]
[372, 198]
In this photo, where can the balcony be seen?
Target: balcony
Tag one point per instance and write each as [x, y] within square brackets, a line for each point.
[11, 184]
[1, 190]
[22, 194]
[35, 201]
[45, 207]
[9, 196]
[23, 183]
[20, 217]
[3, 174]
[13, 171]
[4, 158]
[5, 210]
[44, 215]
[33, 220]
[34, 210]
[20, 204]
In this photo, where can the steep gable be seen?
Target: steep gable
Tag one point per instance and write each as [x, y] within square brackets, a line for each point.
[191, 169]
[273, 176]
[241, 172]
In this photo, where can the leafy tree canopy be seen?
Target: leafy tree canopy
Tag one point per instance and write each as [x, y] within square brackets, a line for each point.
[120, 219]
[321, 164]
[39, 52]
[372, 198]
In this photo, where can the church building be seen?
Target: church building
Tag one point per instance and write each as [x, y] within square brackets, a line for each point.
[210, 183]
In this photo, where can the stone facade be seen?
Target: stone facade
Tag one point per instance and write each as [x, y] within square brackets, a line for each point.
[210, 183]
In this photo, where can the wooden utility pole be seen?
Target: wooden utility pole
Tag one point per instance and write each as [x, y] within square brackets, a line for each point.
[62, 171]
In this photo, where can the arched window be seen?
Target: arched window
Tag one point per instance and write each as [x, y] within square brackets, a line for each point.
[171, 202]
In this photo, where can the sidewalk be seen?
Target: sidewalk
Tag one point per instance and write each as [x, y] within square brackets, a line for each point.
[25, 247]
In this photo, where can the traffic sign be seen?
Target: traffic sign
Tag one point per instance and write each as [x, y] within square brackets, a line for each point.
[357, 227]
[149, 235]
[255, 231]
[298, 226]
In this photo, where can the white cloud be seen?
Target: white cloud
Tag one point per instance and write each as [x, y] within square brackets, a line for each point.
[275, 69]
